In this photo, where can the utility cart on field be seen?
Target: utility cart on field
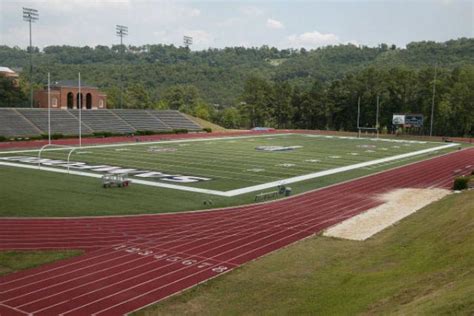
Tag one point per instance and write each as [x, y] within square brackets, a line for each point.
[118, 180]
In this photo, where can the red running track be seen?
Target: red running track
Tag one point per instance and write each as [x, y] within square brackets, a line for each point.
[131, 262]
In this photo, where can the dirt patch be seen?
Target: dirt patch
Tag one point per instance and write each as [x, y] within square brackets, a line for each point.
[398, 204]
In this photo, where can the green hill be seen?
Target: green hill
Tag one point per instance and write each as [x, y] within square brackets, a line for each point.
[220, 73]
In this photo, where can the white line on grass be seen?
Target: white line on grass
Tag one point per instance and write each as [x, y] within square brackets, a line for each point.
[334, 171]
[141, 143]
[249, 189]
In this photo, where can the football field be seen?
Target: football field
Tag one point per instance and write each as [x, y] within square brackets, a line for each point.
[226, 166]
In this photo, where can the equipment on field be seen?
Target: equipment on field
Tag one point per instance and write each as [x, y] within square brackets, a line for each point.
[120, 180]
[281, 190]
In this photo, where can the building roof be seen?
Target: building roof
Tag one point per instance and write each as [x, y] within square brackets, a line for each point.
[71, 84]
[7, 70]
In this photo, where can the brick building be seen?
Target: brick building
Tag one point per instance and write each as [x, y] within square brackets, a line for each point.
[65, 95]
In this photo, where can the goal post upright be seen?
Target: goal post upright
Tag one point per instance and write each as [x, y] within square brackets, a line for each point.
[49, 108]
[50, 145]
[376, 128]
[377, 116]
[358, 117]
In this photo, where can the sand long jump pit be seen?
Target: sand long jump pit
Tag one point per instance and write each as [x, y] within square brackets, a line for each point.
[398, 204]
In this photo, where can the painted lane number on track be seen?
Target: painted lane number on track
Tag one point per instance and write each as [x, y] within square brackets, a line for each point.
[171, 258]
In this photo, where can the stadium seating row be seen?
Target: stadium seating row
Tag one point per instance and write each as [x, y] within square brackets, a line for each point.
[21, 122]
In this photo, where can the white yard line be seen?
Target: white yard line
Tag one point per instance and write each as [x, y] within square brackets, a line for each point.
[144, 143]
[249, 189]
[334, 171]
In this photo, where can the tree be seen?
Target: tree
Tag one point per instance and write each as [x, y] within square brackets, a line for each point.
[230, 118]
[257, 100]
[182, 97]
[10, 94]
[137, 97]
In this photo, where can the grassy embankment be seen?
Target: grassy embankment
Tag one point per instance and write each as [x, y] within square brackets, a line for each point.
[424, 265]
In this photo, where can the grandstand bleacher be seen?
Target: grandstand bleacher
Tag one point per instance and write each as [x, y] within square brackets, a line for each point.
[23, 122]
[175, 119]
[103, 121]
[13, 123]
[62, 122]
[141, 120]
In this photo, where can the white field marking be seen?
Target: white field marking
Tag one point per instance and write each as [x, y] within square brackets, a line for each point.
[334, 157]
[335, 170]
[95, 175]
[234, 192]
[255, 170]
[313, 160]
[144, 143]
[286, 165]
[406, 141]
[249, 189]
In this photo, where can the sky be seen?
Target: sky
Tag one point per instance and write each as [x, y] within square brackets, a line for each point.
[217, 24]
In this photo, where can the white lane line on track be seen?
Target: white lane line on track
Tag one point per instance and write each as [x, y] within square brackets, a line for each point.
[254, 249]
[177, 246]
[15, 309]
[264, 237]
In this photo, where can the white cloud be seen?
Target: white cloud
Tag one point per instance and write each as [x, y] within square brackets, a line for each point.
[274, 24]
[312, 39]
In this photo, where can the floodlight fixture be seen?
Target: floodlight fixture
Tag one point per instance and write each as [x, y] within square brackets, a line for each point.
[121, 31]
[187, 40]
[30, 15]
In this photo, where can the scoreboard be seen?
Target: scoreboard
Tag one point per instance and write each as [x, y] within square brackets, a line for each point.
[408, 120]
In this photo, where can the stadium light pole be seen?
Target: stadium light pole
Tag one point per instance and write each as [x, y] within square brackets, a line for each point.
[79, 105]
[30, 16]
[49, 108]
[187, 41]
[433, 100]
[121, 31]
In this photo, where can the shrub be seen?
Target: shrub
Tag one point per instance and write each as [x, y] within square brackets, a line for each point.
[180, 131]
[56, 136]
[103, 134]
[461, 183]
[207, 129]
[145, 132]
[3, 139]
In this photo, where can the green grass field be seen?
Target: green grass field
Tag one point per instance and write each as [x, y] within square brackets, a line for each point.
[229, 163]
[13, 261]
[422, 266]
